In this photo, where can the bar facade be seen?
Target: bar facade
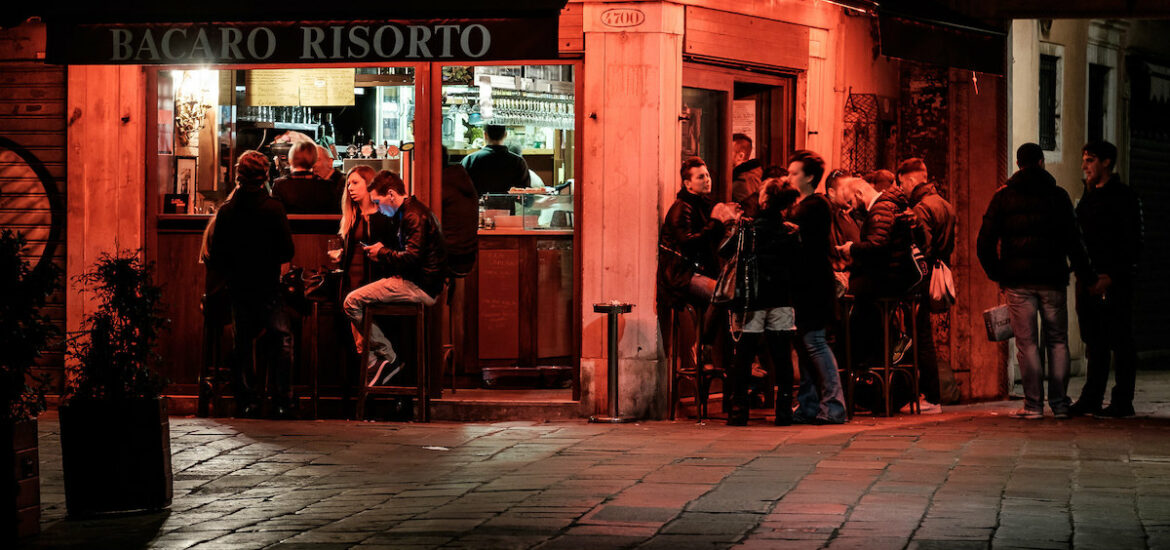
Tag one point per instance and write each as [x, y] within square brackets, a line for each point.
[648, 84]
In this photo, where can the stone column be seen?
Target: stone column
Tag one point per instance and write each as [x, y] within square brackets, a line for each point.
[633, 95]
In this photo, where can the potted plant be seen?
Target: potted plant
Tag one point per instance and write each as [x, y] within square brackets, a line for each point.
[115, 436]
[25, 333]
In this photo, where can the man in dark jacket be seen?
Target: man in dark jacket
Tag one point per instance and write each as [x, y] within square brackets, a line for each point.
[302, 191]
[1110, 217]
[494, 169]
[936, 220]
[460, 217]
[687, 260]
[820, 399]
[1028, 238]
[417, 270]
[246, 243]
[880, 259]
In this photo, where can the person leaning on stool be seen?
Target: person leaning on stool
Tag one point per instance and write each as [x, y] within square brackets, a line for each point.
[415, 270]
[246, 243]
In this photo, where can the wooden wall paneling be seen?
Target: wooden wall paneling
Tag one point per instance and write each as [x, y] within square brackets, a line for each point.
[32, 116]
[731, 36]
[571, 31]
[182, 279]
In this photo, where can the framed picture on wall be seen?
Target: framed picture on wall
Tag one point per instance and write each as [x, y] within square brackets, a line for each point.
[185, 172]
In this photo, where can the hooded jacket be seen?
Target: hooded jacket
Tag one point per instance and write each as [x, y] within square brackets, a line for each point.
[1029, 234]
[881, 256]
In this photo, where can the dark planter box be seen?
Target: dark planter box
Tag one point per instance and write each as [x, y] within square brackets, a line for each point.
[20, 482]
[116, 456]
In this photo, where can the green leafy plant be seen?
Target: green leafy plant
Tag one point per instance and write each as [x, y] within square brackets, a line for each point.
[25, 333]
[115, 346]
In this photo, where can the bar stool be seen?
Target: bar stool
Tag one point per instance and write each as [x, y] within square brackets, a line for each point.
[888, 307]
[418, 391]
[449, 349]
[213, 373]
[698, 374]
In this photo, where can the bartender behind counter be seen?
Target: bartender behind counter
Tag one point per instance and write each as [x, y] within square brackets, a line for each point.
[494, 169]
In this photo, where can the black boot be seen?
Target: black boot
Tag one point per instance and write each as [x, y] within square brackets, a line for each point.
[780, 348]
[739, 376]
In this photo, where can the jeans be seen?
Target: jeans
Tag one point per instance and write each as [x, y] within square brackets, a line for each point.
[820, 394]
[1107, 329]
[391, 290]
[1052, 304]
[252, 315]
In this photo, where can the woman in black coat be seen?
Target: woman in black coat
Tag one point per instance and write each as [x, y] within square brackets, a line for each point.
[770, 248]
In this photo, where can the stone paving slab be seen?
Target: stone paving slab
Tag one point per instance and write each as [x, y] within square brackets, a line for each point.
[969, 478]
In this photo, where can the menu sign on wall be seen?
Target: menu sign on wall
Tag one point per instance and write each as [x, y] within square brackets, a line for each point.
[313, 87]
[302, 42]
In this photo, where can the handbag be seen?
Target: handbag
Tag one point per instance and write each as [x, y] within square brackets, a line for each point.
[322, 284]
[942, 287]
[999, 323]
[726, 286]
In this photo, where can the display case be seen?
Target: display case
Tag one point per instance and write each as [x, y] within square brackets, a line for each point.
[548, 210]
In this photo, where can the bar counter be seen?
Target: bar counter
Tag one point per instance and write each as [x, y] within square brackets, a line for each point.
[523, 321]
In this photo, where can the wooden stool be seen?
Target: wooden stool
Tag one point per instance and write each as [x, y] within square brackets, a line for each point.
[418, 391]
[698, 374]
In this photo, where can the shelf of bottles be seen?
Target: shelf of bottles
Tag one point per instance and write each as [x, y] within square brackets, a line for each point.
[516, 108]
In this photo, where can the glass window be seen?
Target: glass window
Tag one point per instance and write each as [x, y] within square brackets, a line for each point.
[207, 118]
[1098, 105]
[535, 106]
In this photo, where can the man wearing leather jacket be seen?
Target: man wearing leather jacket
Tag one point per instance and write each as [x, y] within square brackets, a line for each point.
[687, 247]
[416, 270]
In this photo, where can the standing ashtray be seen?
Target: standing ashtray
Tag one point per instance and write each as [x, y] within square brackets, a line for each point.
[613, 311]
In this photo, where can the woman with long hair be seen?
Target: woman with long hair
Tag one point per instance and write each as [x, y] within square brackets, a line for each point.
[360, 224]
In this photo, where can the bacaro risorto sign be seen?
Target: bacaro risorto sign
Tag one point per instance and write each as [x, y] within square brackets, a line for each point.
[303, 42]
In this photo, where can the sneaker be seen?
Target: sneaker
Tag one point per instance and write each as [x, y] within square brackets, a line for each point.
[923, 405]
[391, 370]
[1060, 415]
[1115, 411]
[1026, 414]
[900, 348]
[377, 372]
[1080, 408]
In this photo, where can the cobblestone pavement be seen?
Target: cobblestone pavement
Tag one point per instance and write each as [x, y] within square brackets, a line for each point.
[968, 478]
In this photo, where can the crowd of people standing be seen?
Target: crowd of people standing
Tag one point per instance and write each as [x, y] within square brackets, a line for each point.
[798, 248]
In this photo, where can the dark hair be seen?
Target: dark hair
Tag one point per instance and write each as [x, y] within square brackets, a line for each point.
[811, 163]
[833, 177]
[252, 168]
[911, 165]
[1029, 154]
[1103, 150]
[881, 179]
[693, 162]
[775, 172]
[387, 181]
[446, 155]
[495, 132]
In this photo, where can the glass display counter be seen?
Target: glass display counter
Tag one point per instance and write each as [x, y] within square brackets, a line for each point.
[544, 210]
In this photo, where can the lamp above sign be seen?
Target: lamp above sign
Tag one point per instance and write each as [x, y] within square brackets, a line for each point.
[302, 42]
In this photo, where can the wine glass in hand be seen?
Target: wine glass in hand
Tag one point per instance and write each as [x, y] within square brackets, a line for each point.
[334, 249]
